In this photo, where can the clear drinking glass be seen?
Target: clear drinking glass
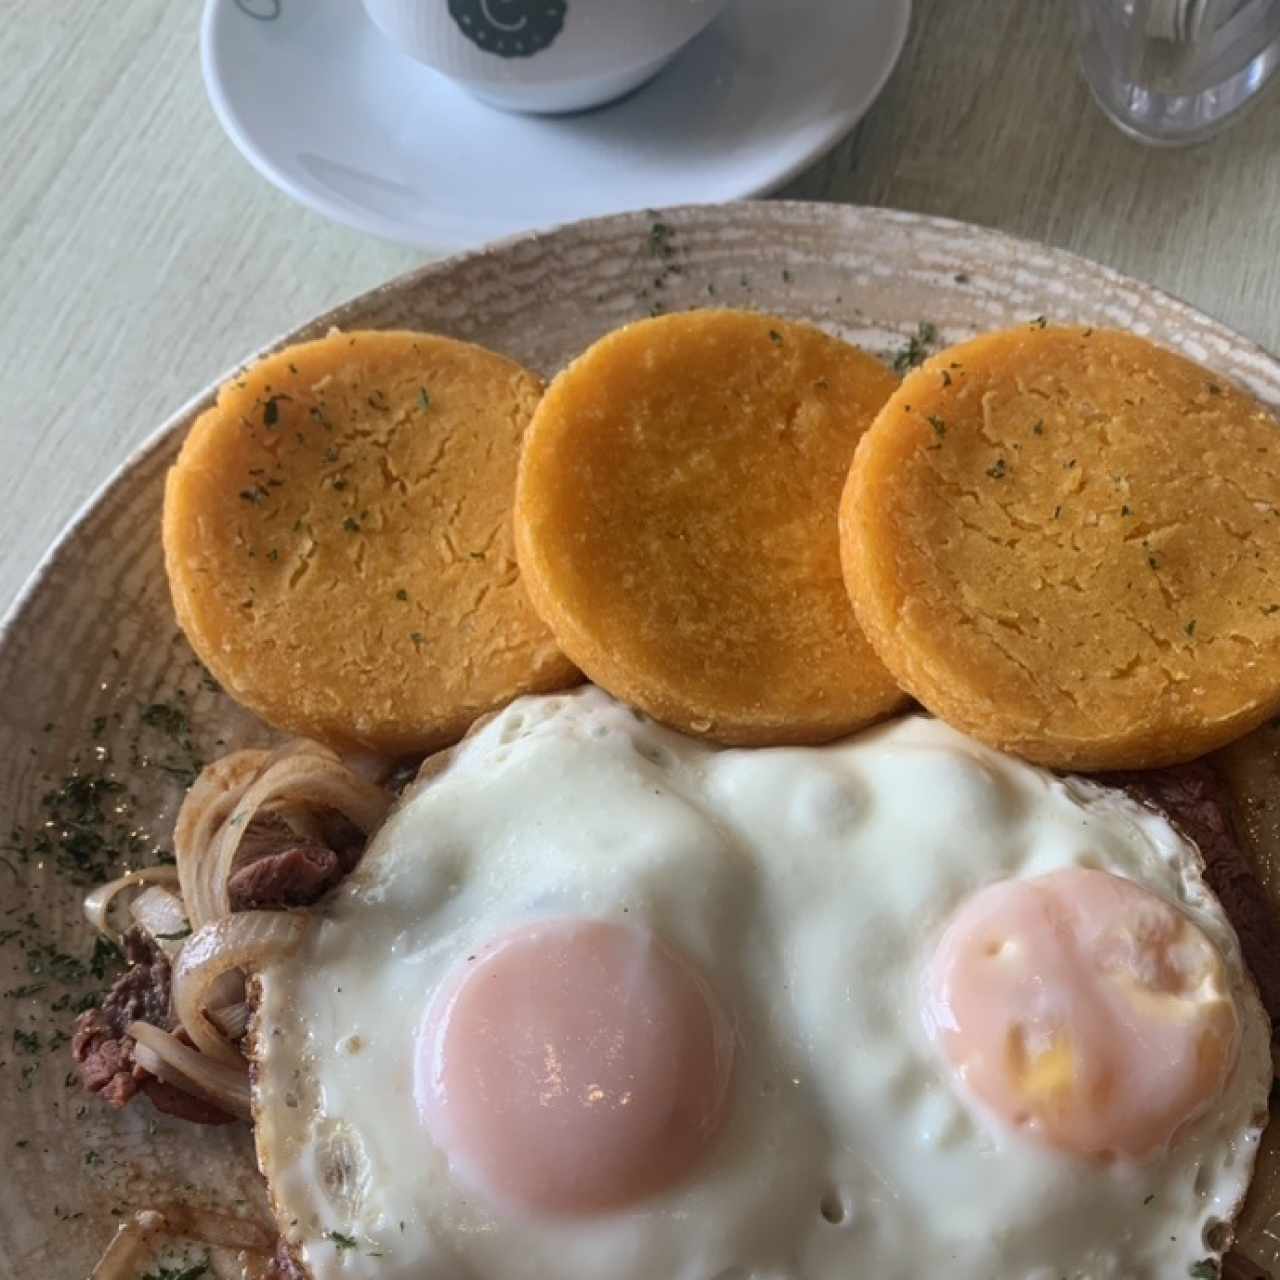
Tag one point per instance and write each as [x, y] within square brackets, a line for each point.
[1175, 71]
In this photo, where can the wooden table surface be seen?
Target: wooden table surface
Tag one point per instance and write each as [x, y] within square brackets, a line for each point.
[140, 256]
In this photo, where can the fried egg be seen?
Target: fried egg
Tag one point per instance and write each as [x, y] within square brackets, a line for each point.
[604, 1002]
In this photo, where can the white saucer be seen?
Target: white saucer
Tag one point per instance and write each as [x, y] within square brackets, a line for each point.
[325, 107]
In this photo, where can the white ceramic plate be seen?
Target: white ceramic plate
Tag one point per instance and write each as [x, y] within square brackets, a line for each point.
[324, 106]
[92, 642]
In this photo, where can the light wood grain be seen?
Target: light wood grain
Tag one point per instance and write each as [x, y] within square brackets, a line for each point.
[988, 119]
[140, 256]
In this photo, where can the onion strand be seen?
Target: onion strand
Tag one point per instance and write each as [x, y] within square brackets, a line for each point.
[232, 1019]
[289, 782]
[210, 802]
[303, 777]
[97, 906]
[167, 1058]
[243, 941]
[247, 805]
[131, 1247]
[162, 917]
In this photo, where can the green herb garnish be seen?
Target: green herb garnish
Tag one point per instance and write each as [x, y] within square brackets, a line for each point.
[193, 1272]
[660, 245]
[44, 959]
[106, 956]
[84, 829]
[26, 1041]
[165, 717]
[917, 347]
[271, 410]
[25, 991]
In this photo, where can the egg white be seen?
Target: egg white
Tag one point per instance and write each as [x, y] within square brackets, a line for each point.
[808, 885]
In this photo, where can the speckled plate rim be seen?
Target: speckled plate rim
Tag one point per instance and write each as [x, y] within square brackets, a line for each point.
[904, 267]
[181, 417]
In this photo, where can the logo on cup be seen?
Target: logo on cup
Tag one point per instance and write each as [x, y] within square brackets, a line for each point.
[509, 28]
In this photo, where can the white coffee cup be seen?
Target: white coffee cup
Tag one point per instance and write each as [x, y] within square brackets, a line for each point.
[544, 55]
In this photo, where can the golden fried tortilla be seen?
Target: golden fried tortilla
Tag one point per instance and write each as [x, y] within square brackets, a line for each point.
[676, 524]
[337, 533]
[1066, 542]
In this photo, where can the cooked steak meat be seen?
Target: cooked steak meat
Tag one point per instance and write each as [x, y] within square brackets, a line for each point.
[281, 871]
[178, 1103]
[100, 1046]
[103, 1049]
[105, 1062]
[294, 877]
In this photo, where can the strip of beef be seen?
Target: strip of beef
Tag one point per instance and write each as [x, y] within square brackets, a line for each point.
[178, 1102]
[100, 1046]
[294, 877]
[1236, 1267]
[103, 1049]
[282, 871]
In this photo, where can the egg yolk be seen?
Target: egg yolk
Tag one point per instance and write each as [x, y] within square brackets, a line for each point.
[1084, 1009]
[574, 1066]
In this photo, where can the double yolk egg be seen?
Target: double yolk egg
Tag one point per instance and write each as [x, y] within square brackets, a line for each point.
[582, 1065]
[602, 1000]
